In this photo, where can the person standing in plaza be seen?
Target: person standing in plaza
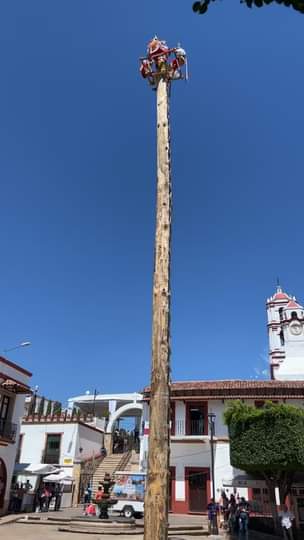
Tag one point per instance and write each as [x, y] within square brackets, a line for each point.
[212, 516]
[58, 496]
[287, 518]
[243, 515]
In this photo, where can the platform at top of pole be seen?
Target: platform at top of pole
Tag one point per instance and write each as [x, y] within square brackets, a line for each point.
[162, 62]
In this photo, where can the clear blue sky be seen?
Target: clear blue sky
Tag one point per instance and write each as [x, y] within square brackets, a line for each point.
[77, 165]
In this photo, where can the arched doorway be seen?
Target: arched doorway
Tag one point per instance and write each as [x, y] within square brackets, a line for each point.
[3, 480]
[124, 440]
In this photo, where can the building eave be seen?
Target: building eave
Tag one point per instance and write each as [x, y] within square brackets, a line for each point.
[233, 389]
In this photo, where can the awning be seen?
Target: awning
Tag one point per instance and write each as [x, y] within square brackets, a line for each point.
[60, 478]
[12, 385]
[32, 469]
[244, 480]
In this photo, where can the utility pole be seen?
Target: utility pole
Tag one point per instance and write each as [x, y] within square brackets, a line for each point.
[161, 66]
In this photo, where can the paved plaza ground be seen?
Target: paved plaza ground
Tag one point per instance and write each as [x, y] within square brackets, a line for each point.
[23, 531]
[17, 531]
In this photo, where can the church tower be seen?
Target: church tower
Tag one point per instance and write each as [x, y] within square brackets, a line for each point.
[285, 317]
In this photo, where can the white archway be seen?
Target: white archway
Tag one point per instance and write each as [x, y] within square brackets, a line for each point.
[129, 408]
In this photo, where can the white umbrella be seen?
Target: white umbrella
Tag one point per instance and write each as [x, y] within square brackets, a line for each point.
[35, 469]
[59, 478]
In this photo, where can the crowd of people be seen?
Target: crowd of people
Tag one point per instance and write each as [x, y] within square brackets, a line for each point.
[43, 497]
[17, 493]
[231, 514]
[125, 440]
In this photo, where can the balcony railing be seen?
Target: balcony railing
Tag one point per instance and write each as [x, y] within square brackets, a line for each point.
[193, 427]
[51, 458]
[8, 430]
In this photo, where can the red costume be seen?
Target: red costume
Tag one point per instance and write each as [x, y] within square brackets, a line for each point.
[156, 49]
[145, 68]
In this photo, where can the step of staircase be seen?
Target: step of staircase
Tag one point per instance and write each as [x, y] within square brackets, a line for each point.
[109, 464]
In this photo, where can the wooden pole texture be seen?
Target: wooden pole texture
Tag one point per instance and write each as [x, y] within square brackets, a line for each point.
[157, 493]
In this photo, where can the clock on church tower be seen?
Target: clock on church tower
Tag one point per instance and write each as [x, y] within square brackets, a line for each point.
[286, 336]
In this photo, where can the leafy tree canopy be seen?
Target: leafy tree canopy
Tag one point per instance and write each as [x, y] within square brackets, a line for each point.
[268, 439]
[202, 6]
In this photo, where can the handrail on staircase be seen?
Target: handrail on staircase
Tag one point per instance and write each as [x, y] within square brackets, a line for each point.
[123, 462]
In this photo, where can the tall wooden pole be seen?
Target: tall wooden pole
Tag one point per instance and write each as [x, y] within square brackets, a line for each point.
[157, 493]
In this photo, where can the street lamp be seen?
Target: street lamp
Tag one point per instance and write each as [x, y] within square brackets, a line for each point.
[22, 344]
[211, 418]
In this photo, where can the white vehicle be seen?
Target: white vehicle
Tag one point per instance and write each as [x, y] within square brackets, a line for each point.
[129, 491]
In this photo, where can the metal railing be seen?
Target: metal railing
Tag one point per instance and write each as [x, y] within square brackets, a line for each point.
[8, 430]
[193, 427]
[51, 458]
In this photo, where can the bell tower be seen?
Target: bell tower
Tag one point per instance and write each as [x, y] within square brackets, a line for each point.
[285, 318]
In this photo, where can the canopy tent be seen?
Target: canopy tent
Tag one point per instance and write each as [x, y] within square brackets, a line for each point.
[244, 480]
[60, 477]
[34, 469]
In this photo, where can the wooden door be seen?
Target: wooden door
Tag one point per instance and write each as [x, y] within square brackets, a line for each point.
[197, 490]
[171, 488]
[3, 479]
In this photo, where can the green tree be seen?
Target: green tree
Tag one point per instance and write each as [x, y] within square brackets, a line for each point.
[268, 441]
[202, 6]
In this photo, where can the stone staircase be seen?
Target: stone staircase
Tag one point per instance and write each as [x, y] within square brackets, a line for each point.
[110, 464]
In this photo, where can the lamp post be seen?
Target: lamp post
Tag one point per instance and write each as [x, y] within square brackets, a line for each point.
[211, 418]
[20, 346]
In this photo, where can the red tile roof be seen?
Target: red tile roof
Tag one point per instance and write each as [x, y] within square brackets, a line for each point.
[280, 296]
[292, 304]
[235, 389]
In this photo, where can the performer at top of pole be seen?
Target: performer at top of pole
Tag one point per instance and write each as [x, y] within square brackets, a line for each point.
[163, 62]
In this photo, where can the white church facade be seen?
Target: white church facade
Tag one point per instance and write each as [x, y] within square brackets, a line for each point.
[285, 318]
[192, 403]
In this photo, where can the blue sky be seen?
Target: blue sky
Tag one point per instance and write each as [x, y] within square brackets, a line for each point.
[77, 166]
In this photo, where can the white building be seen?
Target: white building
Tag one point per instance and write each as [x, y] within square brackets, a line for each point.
[286, 336]
[190, 450]
[72, 441]
[14, 385]
[192, 402]
[62, 441]
[109, 409]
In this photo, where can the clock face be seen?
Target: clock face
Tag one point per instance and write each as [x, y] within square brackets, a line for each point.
[296, 329]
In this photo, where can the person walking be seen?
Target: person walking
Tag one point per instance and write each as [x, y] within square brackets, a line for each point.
[44, 500]
[243, 516]
[232, 521]
[58, 496]
[287, 518]
[212, 516]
